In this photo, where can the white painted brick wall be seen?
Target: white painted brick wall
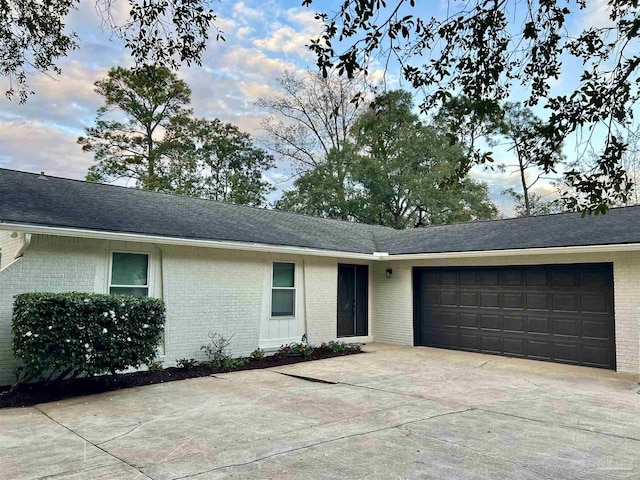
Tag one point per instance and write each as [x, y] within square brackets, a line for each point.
[393, 320]
[49, 265]
[223, 291]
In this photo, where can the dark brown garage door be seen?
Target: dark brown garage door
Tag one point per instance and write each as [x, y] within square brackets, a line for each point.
[559, 313]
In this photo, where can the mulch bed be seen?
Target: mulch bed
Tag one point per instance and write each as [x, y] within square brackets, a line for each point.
[35, 393]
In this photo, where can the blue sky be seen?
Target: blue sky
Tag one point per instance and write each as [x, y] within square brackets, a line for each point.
[263, 38]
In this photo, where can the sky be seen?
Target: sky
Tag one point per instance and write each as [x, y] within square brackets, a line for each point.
[263, 39]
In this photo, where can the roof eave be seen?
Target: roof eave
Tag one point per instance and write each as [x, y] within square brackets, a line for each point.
[165, 240]
[576, 249]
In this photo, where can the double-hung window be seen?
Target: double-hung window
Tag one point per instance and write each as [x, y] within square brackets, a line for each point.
[283, 290]
[129, 274]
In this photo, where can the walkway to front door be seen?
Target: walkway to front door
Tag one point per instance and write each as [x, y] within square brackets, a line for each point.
[353, 300]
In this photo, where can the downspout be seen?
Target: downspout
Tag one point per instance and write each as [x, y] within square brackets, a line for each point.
[25, 245]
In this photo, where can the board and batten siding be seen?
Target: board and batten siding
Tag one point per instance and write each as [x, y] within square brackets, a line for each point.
[205, 290]
[393, 297]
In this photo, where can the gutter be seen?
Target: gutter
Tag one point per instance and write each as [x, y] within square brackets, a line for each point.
[262, 247]
[610, 248]
[162, 240]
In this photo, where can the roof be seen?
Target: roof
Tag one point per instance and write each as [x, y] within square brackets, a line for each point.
[31, 199]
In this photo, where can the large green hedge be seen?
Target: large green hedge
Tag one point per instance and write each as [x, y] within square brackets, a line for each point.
[69, 334]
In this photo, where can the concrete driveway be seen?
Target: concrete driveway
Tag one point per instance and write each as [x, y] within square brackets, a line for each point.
[391, 413]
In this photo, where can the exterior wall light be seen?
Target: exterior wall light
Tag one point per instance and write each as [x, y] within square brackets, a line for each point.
[388, 273]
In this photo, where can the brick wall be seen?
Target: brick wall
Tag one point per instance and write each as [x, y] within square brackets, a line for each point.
[222, 291]
[393, 297]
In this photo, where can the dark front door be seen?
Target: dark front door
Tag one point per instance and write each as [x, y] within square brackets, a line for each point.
[353, 301]
[559, 313]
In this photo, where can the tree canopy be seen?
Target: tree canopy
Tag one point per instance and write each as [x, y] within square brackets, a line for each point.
[483, 50]
[34, 37]
[394, 168]
[146, 132]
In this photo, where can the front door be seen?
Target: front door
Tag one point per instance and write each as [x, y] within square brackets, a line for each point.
[353, 301]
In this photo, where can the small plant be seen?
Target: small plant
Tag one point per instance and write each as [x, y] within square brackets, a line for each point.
[155, 366]
[257, 354]
[304, 349]
[187, 363]
[283, 352]
[217, 350]
[341, 347]
[237, 362]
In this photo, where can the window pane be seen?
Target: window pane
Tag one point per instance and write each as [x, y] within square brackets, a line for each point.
[283, 274]
[129, 269]
[282, 303]
[136, 292]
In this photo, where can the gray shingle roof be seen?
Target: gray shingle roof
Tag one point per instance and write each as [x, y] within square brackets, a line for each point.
[27, 198]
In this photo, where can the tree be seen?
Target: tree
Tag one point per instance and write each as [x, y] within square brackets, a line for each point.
[484, 49]
[156, 142]
[536, 204]
[33, 35]
[402, 165]
[215, 160]
[394, 168]
[520, 127]
[310, 127]
[149, 100]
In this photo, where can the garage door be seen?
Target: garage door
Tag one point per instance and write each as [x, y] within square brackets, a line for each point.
[559, 313]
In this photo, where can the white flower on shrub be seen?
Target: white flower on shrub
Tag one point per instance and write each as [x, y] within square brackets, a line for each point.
[104, 330]
[105, 314]
[68, 341]
[28, 334]
[86, 345]
[146, 325]
[50, 327]
[112, 313]
[128, 339]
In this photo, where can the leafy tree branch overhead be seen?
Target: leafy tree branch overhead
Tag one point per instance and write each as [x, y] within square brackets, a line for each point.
[34, 37]
[483, 49]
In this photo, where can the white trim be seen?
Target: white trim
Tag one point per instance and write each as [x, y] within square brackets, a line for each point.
[260, 247]
[137, 237]
[517, 251]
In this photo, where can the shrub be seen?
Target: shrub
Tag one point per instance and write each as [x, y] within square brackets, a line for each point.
[304, 349]
[341, 347]
[217, 350]
[187, 363]
[257, 354]
[155, 366]
[283, 351]
[69, 334]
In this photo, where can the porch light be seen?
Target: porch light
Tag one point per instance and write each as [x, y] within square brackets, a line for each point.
[388, 273]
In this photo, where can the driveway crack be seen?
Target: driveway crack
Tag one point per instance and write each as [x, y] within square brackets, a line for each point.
[91, 443]
[323, 442]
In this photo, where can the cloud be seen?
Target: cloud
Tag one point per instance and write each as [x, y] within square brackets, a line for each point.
[292, 37]
[34, 146]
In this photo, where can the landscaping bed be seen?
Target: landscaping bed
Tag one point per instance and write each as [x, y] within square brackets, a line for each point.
[34, 393]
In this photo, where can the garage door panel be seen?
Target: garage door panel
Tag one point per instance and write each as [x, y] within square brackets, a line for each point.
[539, 325]
[538, 301]
[490, 322]
[539, 349]
[567, 352]
[566, 326]
[516, 347]
[514, 323]
[513, 300]
[561, 313]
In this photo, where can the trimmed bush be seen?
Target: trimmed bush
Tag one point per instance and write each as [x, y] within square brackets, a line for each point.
[64, 335]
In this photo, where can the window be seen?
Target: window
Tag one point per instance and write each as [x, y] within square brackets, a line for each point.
[129, 274]
[283, 290]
